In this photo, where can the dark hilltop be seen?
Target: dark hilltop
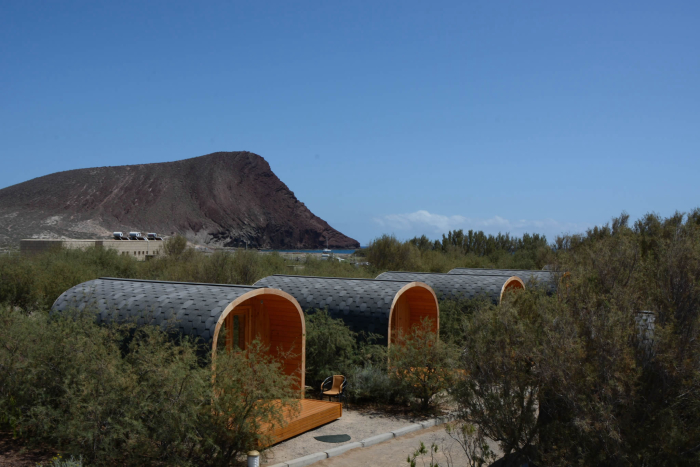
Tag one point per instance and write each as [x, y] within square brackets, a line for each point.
[221, 199]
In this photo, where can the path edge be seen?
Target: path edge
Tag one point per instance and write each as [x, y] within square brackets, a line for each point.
[367, 442]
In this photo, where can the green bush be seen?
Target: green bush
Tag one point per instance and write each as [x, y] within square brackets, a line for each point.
[331, 347]
[35, 282]
[58, 461]
[502, 361]
[571, 379]
[371, 383]
[459, 249]
[388, 253]
[251, 396]
[455, 315]
[130, 396]
[422, 367]
[175, 246]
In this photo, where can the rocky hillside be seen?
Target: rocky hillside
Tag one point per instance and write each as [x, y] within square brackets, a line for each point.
[223, 199]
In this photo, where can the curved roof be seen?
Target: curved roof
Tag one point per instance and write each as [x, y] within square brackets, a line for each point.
[501, 272]
[364, 304]
[192, 308]
[459, 286]
[527, 275]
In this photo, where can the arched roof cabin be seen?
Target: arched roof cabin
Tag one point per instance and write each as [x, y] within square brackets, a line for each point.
[201, 311]
[382, 307]
[451, 286]
[548, 279]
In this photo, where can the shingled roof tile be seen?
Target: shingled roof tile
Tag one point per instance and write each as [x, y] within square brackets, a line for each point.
[194, 307]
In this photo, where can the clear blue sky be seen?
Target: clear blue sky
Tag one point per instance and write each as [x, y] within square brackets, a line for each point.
[383, 117]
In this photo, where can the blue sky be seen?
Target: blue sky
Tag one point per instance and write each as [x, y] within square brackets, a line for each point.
[382, 117]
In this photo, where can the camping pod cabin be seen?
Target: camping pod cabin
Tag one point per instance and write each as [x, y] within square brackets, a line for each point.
[452, 286]
[384, 307]
[201, 311]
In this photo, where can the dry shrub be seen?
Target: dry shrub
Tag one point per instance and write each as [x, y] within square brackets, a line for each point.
[422, 367]
[119, 395]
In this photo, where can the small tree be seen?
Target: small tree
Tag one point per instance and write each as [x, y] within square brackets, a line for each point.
[501, 363]
[246, 267]
[422, 366]
[251, 397]
[455, 314]
[175, 246]
[389, 253]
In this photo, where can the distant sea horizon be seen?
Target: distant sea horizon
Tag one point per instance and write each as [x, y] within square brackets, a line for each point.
[339, 252]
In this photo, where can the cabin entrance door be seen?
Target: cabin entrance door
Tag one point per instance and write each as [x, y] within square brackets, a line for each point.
[237, 328]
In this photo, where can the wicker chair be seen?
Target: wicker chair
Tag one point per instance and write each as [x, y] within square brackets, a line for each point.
[334, 386]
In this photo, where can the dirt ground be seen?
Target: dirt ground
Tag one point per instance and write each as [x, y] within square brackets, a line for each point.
[359, 424]
[13, 454]
[393, 453]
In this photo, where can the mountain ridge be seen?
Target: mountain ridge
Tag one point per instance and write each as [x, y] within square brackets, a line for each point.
[221, 199]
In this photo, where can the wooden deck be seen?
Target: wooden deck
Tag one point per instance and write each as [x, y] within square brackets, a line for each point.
[313, 413]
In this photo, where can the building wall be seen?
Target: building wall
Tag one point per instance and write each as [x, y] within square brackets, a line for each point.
[139, 249]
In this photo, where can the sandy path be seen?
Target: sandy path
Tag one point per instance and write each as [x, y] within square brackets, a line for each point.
[358, 424]
[393, 453]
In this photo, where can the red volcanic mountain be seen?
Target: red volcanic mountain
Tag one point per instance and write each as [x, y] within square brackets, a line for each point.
[225, 199]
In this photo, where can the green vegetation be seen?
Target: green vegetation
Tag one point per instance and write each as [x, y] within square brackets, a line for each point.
[35, 282]
[422, 367]
[332, 348]
[121, 395]
[457, 249]
[564, 379]
[58, 461]
[574, 378]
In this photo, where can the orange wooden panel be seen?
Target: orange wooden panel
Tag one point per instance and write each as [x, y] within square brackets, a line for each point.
[313, 413]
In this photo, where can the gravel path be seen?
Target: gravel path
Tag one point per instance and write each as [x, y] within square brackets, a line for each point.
[393, 453]
[359, 424]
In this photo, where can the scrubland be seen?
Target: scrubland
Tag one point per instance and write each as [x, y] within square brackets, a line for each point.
[571, 378]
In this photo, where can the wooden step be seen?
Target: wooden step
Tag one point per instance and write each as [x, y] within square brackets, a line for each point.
[312, 414]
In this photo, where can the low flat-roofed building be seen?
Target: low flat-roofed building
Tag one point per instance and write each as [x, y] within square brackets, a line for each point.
[139, 249]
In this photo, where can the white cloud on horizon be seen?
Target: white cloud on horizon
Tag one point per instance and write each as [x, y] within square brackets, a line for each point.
[437, 224]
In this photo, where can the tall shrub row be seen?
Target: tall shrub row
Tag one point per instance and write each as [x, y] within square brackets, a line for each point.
[581, 377]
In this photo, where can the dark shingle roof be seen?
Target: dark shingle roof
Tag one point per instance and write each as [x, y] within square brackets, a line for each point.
[547, 278]
[453, 285]
[364, 304]
[191, 308]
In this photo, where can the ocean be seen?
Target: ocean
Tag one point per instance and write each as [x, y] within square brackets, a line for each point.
[337, 252]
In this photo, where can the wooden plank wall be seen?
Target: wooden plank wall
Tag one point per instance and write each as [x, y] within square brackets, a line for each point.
[422, 305]
[286, 334]
[411, 307]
